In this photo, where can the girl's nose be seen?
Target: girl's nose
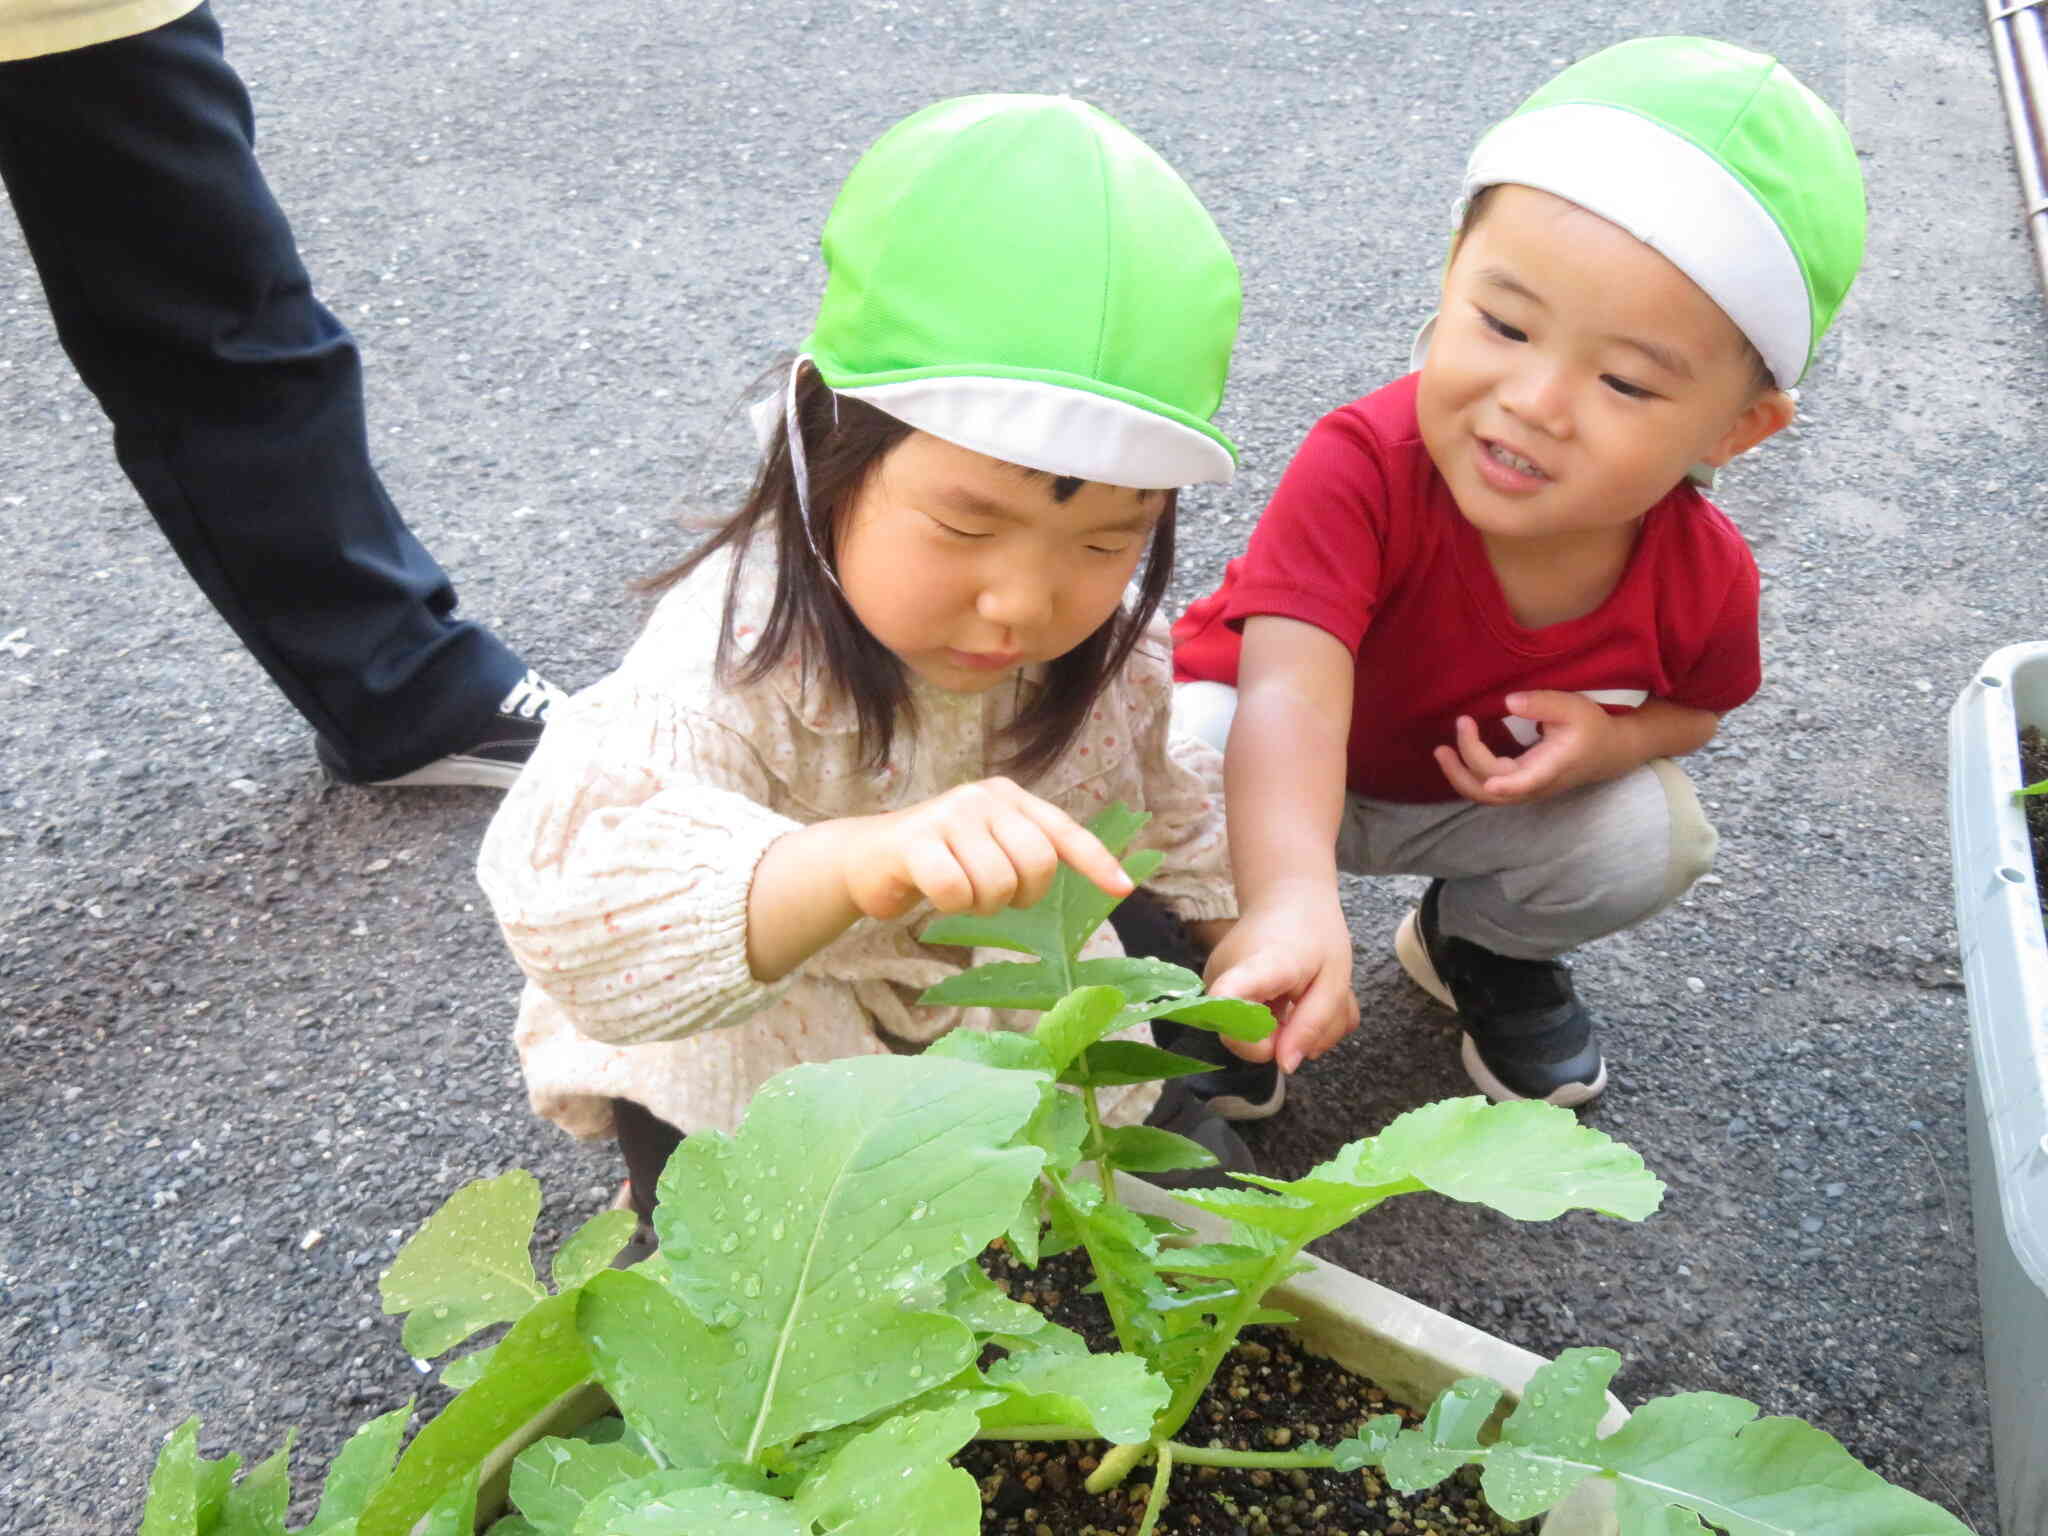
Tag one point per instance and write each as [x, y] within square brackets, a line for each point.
[1018, 596]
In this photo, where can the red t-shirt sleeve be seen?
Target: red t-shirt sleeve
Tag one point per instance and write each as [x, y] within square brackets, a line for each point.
[1729, 665]
[1316, 554]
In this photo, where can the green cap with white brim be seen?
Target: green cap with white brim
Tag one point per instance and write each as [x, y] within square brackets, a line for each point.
[1716, 157]
[1022, 276]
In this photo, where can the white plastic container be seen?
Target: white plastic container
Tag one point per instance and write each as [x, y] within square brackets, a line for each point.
[2005, 975]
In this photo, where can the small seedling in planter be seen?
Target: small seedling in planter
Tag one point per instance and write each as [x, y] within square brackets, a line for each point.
[815, 1337]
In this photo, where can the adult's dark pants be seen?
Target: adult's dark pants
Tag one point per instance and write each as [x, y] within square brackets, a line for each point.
[236, 398]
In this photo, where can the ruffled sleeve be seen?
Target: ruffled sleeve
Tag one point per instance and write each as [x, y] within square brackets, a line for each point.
[1182, 781]
[619, 866]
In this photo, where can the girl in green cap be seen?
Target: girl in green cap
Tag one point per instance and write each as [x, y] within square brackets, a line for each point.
[903, 674]
[1487, 605]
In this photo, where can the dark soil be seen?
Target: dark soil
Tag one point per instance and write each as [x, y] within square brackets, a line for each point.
[2034, 770]
[1268, 1395]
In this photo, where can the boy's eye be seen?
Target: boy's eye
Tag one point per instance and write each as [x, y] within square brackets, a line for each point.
[1626, 389]
[1502, 328]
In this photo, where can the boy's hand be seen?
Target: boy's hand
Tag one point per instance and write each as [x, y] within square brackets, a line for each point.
[1294, 955]
[1581, 744]
[977, 848]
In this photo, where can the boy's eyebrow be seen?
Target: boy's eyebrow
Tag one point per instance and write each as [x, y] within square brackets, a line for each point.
[1668, 358]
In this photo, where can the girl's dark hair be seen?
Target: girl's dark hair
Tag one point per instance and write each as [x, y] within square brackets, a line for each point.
[844, 439]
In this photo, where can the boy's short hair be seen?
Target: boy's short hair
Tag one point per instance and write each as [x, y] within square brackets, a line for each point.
[1716, 157]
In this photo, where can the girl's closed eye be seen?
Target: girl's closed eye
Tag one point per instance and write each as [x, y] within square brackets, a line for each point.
[957, 532]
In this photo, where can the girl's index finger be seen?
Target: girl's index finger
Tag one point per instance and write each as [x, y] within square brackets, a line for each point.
[1086, 852]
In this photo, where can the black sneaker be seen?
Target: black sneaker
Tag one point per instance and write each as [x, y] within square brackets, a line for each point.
[1527, 1035]
[1184, 1114]
[491, 762]
[1239, 1089]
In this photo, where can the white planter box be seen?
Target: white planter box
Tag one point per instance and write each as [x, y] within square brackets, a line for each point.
[2005, 974]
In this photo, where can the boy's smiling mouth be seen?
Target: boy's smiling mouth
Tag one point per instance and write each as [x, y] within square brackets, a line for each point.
[1502, 454]
[1507, 471]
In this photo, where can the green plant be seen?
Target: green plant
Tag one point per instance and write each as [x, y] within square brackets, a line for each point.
[804, 1353]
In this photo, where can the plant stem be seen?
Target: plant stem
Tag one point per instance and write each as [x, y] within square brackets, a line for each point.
[1221, 1456]
[1098, 1146]
[1116, 1465]
[1157, 1501]
[1117, 1318]
[1221, 1340]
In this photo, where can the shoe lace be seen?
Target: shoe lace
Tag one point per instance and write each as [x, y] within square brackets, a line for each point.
[530, 698]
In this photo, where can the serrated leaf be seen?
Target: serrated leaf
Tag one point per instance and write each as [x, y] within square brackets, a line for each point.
[1412, 1463]
[1762, 1477]
[1521, 1484]
[1056, 926]
[1366, 1448]
[849, 1184]
[660, 1364]
[1034, 984]
[1003, 1048]
[1229, 1016]
[186, 1490]
[592, 1247]
[1217, 1261]
[601, 1516]
[712, 1511]
[1148, 1149]
[539, 1360]
[1527, 1159]
[466, 1371]
[1282, 1215]
[360, 1468]
[468, 1266]
[256, 1506]
[554, 1479]
[1115, 1063]
[1564, 1402]
[1081, 1018]
[878, 1479]
[1118, 1395]
[979, 1303]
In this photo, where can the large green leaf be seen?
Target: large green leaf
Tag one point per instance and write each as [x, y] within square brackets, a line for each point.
[1116, 1394]
[592, 1246]
[359, 1470]
[603, 1515]
[186, 1491]
[662, 1365]
[851, 1186]
[1527, 1159]
[894, 1480]
[1560, 1410]
[554, 1479]
[540, 1359]
[1755, 1477]
[468, 1266]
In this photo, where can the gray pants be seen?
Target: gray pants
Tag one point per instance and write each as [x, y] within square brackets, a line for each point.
[1530, 881]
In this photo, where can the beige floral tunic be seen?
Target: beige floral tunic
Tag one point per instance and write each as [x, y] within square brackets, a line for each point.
[620, 863]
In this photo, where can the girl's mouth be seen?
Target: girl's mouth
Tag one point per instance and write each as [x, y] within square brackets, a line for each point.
[984, 661]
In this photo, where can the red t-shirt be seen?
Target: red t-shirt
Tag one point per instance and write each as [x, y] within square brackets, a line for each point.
[1363, 539]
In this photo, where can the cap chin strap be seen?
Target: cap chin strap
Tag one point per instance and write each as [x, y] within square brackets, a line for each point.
[762, 414]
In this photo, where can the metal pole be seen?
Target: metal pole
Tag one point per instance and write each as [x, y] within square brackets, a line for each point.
[2019, 48]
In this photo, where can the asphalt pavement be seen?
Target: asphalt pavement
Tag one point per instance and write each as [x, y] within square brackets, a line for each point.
[255, 1027]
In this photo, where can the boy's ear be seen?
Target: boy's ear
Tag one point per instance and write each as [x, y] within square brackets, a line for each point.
[1768, 414]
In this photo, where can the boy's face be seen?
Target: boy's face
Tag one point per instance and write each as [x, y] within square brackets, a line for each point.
[1575, 374]
[968, 567]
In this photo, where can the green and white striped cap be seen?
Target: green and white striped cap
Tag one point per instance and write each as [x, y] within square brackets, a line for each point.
[1022, 276]
[1716, 157]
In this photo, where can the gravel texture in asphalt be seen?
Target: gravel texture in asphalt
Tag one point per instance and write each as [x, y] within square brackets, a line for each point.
[256, 1027]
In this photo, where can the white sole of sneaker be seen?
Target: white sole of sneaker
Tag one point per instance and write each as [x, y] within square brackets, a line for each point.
[456, 772]
[1231, 1106]
[1414, 957]
[1570, 1096]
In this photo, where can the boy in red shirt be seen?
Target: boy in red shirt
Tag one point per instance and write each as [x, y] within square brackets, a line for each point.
[1487, 605]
